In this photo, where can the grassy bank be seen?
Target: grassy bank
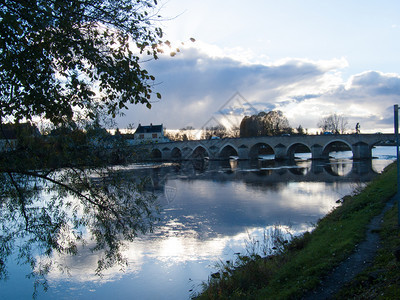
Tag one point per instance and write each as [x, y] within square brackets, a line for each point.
[382, 279]
[298, 266]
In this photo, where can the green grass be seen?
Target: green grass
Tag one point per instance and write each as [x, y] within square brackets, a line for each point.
[382, 279]
[298, 266]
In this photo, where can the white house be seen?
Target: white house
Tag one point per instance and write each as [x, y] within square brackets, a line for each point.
[151, 133]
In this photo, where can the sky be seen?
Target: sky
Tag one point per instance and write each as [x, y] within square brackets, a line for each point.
[307, 58]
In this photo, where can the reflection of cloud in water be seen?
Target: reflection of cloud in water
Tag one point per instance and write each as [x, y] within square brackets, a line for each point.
[295, 203]
[234, 206]
[180, 248]
[81, 267]
[171, 250]
[316, 199]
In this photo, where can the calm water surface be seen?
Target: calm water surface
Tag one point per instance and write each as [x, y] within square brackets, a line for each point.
[210, 212]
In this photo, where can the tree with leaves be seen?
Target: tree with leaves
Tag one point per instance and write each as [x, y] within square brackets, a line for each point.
[58, 57]
[270, 123]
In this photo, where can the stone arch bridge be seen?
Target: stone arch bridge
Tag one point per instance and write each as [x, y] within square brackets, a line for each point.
[281, 147]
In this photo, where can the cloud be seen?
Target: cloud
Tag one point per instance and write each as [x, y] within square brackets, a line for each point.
[197, 83]
[376, 83]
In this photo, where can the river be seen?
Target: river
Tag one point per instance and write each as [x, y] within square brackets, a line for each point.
[210, 211]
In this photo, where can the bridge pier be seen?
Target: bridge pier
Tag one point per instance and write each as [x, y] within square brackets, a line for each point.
[166, 154]
[213, 154]
[186, 152]
[280, 152]
[361, 151]
[317, 152]
[243, 153]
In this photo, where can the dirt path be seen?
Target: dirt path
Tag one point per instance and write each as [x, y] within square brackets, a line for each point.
[359, 260]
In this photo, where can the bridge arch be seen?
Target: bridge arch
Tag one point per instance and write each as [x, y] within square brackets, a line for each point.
[199, 153]
[165, 152]
[227, 152]
[300, 148]
[176, 153]
[260, 149]
[336, 146]
[156, 154]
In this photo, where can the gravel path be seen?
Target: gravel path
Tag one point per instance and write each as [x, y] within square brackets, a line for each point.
[359, 260]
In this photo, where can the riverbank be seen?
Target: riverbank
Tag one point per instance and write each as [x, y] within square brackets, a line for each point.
[300, 266]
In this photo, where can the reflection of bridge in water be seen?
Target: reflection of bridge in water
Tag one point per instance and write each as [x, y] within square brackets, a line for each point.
[262, 173]
[282, 147]
[275, 172]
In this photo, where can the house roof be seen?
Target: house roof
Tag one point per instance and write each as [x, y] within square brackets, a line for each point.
[149, 129]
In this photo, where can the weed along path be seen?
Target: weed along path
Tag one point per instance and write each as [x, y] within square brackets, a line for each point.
[363, 257]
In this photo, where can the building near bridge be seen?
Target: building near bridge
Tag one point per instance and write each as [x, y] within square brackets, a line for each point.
[150, 133]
